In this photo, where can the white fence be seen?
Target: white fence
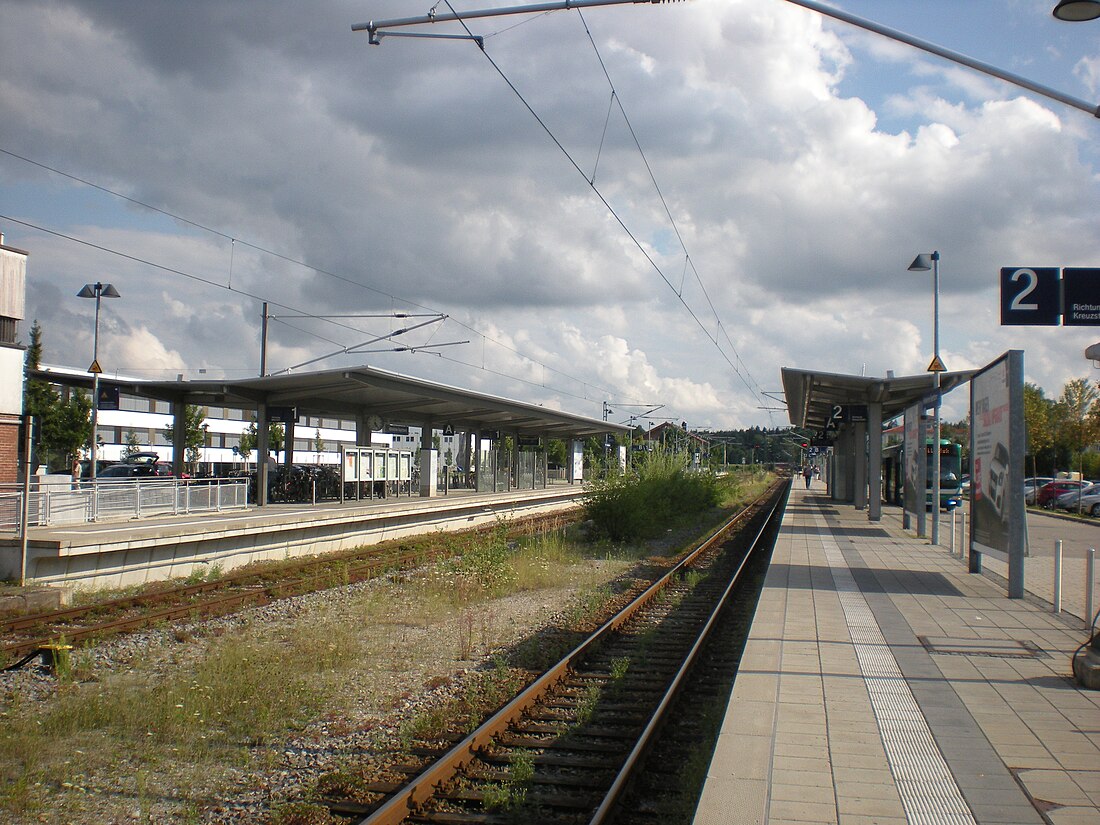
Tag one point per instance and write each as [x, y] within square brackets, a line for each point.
[119, 500]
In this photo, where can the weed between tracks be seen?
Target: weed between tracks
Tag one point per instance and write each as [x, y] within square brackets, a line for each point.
[176, 720]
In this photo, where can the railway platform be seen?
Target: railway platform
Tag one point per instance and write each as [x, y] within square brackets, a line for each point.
[117, 554]
[883, 683]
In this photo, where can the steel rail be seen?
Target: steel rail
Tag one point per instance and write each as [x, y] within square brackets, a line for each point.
[649, 734]
[424, 785]
[304, 577]
[238, 579]
[260, 594]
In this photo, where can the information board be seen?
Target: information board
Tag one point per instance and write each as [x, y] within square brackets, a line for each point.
[1030, 296]
[1080, 297]
[1047, 296]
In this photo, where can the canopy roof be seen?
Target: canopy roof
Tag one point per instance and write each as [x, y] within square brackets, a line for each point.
[368, 391]
[811, 395]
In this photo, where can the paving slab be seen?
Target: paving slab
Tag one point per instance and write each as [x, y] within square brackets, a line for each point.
[883, 682]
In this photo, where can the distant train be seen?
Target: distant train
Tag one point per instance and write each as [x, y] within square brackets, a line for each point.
[893, 473]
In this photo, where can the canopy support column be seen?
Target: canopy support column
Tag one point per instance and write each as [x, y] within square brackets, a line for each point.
[874, 450]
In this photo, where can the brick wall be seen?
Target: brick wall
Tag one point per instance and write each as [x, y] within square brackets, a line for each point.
[9, 449]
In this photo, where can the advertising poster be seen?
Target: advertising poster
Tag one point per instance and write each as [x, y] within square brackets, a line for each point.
[576, 465]
[350, 463]
[916, 466]
[997, 511]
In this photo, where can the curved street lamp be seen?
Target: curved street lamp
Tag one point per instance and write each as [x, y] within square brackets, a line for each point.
[97, 291]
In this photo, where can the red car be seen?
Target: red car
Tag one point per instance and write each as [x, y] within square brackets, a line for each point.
[1049, 492]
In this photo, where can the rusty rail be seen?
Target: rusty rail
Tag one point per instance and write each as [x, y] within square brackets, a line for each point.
[249, 587]
[425, 785]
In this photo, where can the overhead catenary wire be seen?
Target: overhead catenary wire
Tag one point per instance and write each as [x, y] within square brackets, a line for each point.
[354, 348]
[209, 282]
[714, 339]
[283, 257]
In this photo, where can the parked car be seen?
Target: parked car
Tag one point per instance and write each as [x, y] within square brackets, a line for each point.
[1085, 500]
[139, 465]
[1049, 492]
[1031, 487]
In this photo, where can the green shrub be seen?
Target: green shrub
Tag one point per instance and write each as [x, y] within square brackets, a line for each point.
[660, 490]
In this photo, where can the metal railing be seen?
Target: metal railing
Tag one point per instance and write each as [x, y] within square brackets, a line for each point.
[86, 501]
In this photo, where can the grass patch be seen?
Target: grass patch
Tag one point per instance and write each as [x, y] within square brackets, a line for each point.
[240, 692]
[481, 695]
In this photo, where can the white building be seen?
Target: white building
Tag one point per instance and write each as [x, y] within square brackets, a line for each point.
[146, 422]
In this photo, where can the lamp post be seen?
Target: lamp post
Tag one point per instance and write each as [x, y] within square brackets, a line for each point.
[97, 291]
[922, 263]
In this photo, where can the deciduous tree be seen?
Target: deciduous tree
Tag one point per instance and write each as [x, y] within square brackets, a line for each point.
[64, 425]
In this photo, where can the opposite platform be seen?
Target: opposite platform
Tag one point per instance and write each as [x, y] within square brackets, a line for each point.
[882, 683]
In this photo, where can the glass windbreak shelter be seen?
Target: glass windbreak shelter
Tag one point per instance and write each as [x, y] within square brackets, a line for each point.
[501, 471]
[372, 472]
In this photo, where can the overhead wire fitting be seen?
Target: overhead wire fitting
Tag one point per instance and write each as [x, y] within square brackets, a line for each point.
[375, 33]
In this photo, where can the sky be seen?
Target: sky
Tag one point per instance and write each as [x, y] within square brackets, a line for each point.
[639, 205]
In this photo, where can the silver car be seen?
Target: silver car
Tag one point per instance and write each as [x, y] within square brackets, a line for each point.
[1085, 500]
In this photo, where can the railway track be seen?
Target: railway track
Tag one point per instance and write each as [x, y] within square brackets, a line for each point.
[23, 635]
[572, 744]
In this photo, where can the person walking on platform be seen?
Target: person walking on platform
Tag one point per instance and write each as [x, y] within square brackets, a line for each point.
[807, 473]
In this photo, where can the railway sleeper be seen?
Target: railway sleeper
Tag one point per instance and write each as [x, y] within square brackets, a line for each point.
[619, 715]
[594, 731]
[556, 760]
[534, 797]
[350, 807]
[456, 818]
[572, 780]
[574, 743]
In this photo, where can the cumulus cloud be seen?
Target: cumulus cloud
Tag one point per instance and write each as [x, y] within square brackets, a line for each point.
[344, 179]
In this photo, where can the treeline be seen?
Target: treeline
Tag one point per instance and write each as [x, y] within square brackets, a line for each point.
[1063, 433]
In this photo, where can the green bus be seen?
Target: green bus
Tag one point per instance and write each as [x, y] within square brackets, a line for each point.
[893, 473]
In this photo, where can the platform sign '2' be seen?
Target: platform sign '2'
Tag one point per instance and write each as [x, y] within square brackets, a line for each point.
[1030, 296]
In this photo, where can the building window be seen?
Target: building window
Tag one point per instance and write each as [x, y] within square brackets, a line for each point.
[131, 403]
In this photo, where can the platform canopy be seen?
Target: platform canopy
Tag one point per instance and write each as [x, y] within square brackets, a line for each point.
[360, 391]
[812, 395]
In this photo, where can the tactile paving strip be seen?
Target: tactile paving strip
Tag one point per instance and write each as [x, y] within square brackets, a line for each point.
[928, 791]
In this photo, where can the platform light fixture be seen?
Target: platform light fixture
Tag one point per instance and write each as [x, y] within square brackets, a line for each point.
[922, 263]
[1075, 11]
[97, 290]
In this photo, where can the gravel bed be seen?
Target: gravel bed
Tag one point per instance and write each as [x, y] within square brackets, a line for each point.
[360, 724]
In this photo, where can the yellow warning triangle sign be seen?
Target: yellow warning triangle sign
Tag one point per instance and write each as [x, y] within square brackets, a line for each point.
[95, 368]
[936, 365]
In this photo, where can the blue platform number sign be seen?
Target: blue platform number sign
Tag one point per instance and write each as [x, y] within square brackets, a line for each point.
[1081, 297]
[1030, 296]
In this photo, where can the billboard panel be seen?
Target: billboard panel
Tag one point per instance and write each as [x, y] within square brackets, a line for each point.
[997, 513]
[916, 466]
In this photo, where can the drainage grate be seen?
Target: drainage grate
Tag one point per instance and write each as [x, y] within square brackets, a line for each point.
[996, 648]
